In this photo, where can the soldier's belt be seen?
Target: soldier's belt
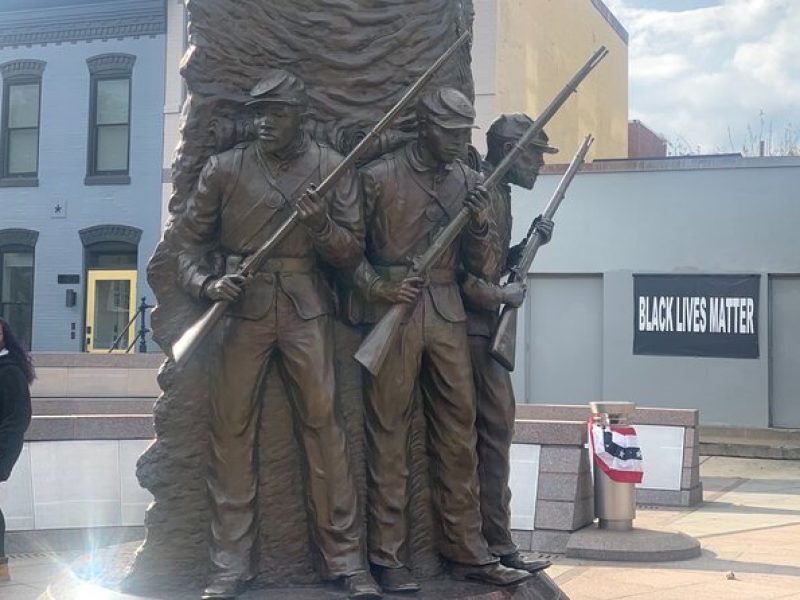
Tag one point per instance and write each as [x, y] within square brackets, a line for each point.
[276, 265]
[400, 272]
[288, 265]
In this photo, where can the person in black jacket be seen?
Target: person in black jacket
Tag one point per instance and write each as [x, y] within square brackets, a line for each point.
[16, 375]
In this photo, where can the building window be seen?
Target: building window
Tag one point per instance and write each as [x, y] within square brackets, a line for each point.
[16, 281]
[22, 87]
[109, 119]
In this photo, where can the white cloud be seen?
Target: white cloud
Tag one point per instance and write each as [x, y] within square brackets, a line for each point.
[695, 74]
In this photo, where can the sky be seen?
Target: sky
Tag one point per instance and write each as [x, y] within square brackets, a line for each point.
[702, 71]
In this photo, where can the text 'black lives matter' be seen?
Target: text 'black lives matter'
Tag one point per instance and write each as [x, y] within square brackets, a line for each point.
[696, 315]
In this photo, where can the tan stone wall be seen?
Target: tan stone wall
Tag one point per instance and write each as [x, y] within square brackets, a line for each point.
[540, 44]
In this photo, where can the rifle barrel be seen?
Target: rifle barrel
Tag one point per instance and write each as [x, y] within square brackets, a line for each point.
[552, 206]
[547, 114]
[504, 340]
[389, 117]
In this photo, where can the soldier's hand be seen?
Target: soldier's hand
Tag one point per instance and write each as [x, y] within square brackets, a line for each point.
[403, 292]
[477, 201]
[515, 254]
[545, 228]
[312, 210]
[228, 287]
[514, 293]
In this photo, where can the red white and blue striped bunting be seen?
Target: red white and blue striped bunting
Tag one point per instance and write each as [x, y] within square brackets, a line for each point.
[616, 452]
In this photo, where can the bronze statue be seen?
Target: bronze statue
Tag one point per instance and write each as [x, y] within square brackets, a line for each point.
[483, 299]
[409, 195]
[353, 78]
[283, 311]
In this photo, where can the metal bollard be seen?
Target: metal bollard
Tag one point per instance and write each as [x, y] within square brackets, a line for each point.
[614, 501]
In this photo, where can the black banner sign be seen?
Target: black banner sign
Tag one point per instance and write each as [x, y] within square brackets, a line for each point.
[696, 315]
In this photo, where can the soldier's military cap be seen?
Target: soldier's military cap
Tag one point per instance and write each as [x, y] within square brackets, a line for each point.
[447, 108]
[279, 86]
[513, 126]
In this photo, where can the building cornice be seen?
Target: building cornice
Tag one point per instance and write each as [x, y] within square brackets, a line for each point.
[611, 20]
[61, 24]
[110, 233]
[679, 163]
[111, 63]
[26, 67]
[18, 237]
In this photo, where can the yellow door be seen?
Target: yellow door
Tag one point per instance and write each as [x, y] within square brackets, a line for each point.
[110, 307]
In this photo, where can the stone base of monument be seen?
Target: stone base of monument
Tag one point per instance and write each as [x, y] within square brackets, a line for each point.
[101, 576]
[636, 545]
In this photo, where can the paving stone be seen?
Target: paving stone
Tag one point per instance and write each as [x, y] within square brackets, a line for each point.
[114, 427]
[70, 540]
[583, 514]
[690, 437]
[681, 417]
[556, 459]
[690, 477]
[691, 456]
[555, 515]
[558, 486]
[695, 495]
[93, 406]
[51, 428]
[565, 433]
[585, 486]
[90, 427]
[522, 538]
[684, 498]
[549, 542]
[639, 545]
[148, 360]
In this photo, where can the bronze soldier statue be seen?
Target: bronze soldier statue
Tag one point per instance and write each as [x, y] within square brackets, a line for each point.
[483, 298]
[284, 310]
[409, 195]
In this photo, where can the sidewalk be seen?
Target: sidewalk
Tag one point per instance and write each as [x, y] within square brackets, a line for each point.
[749, 525]
[31, 574]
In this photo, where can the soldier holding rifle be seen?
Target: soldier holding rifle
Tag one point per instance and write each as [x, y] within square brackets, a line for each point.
[409, 196]
[482, 299]
[284, 309]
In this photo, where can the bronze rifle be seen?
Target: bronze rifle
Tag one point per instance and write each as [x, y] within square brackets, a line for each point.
[185, 346]
[374, 348]
[504, 342]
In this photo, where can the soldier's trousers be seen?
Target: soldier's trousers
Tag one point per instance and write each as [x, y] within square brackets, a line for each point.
[495, 423]
[306, 352]
[437, 350]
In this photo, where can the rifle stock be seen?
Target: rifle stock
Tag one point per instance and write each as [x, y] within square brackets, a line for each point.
[376, 342]
[183, 348]
[190, 340]
[373, 350]
[504, 342]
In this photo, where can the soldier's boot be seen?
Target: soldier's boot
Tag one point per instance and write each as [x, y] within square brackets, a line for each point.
[398, 580]
[517, 560]
[493, 574]
[4, 573]
[224, 587]
[360, 585]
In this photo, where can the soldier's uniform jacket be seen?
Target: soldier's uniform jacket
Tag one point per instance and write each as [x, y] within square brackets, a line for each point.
[482, 297]
[406, 205]
[239, 203]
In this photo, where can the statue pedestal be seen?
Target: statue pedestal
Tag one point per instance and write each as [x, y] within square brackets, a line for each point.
[101, 576]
